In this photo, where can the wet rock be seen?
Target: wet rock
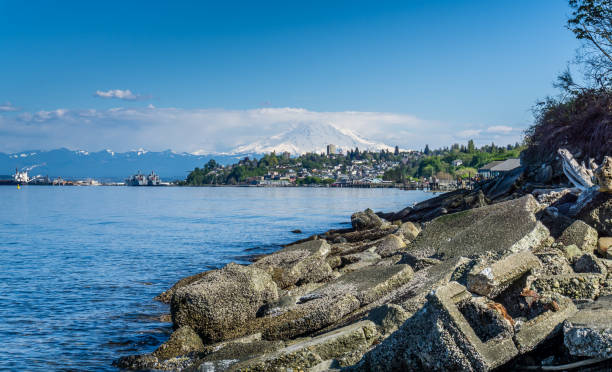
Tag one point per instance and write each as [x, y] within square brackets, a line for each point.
[136, 362]
[492, 279]
[366, 220]
[182, 341]
[504, 227]
[598, 213]
[390, 245]
[303, 263]
[296, 231]
[222, 300]
[226, 355]
[580, 234]
[579, 286]
[589, 332]
[604, 247]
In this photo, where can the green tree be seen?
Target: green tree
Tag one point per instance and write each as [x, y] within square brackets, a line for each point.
[470, 147]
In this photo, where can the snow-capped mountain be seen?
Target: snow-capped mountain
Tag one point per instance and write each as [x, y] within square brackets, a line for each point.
[311, 137]
[300, 138]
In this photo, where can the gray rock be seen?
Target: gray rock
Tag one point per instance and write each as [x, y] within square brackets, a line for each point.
[571, 252]
[388, 317]
[390, 245]
[504, 227]
[589, 263]
[409, 231]
[308, 353]
[604, 247]
[580, 234]
[553, 263]
[440, 338]
[492, 279]
[303, 263]
[579, 286]
[589, 332]
[182, 341]
[222, 300]
[366, 220]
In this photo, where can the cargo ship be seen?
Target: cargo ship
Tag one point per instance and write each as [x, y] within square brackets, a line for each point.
[141, 180]
[22, 178]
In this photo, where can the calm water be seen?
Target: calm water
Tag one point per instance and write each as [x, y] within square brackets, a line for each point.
[79, 266]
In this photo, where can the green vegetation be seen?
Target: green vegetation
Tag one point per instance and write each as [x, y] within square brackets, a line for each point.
[283, 166]
[440, 162]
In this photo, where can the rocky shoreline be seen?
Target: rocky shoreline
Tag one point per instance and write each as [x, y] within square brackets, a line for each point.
[512, 274]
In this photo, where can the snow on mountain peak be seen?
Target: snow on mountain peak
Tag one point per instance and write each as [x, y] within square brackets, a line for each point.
[306, 137]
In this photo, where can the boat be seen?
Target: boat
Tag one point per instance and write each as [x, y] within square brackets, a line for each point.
[19, 178]
[141, 180]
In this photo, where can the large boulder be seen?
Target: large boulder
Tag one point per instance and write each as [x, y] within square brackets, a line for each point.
[366, 220]
[580, 234]
[222, 300]
[298, 263]
[500, 228]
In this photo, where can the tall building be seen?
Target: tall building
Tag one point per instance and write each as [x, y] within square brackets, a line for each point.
[331, 150]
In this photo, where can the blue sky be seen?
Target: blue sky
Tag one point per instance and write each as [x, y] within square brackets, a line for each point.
[451, 69]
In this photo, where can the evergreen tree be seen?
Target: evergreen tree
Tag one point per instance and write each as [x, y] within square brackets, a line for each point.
[471, 147]
[396, 152]
[427, 151]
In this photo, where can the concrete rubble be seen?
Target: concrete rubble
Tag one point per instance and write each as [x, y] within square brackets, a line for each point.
[473, 280]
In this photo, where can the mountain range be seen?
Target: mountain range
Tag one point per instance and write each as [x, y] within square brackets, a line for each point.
[300, 138]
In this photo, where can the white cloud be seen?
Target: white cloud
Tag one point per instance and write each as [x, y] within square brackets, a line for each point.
[117, 93]
[219, 130]
[8, 107]
[500, 129]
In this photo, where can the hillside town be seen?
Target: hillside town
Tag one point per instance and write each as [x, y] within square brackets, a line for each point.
[448, 168]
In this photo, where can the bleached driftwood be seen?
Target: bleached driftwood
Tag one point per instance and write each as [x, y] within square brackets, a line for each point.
[578, 174]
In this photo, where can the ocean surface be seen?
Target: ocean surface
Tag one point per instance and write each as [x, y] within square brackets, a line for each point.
[79, 266]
